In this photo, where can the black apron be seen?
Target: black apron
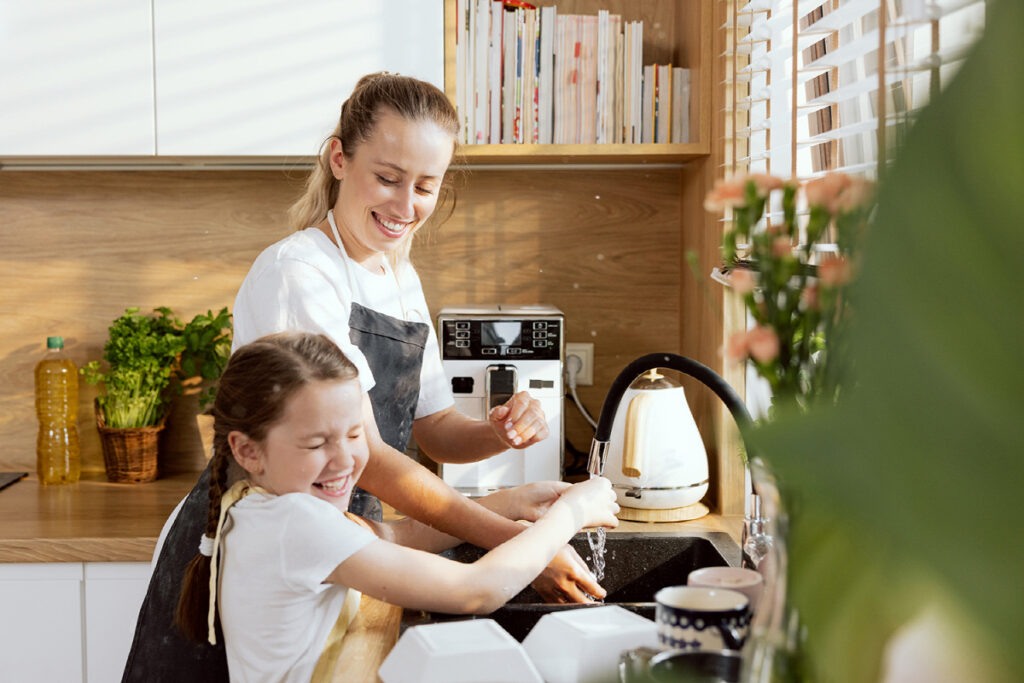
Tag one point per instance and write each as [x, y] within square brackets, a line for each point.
[394, 350]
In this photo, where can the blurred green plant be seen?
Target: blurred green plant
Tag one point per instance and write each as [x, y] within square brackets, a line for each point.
[903, 494]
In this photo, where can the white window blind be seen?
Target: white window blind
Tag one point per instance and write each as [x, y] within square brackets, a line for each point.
[825, 85]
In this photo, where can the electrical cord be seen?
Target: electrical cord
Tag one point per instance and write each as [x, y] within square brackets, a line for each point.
[573, 365]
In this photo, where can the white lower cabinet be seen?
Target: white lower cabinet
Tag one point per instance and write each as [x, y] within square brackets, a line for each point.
[113, 595]
[41, 624]
[69, 621]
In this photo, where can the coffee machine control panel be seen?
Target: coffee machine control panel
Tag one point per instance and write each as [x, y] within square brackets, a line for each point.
[501, 339]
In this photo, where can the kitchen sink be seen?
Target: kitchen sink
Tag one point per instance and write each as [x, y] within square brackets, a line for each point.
[638, 564]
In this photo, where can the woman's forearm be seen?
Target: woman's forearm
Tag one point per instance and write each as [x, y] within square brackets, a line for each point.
[452, 437]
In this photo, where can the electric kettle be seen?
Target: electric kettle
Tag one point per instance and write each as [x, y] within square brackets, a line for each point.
[656, 459]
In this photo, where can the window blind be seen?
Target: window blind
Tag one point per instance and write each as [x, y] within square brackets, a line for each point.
[831, 85]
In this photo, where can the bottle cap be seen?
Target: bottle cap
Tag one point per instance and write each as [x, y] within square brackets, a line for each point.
[55, 342]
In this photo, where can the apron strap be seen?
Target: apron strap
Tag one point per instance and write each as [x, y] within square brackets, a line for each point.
[238, 491]
[325, 666]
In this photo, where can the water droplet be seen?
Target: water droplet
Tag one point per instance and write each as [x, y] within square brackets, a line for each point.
[575, 285]
[600, 257]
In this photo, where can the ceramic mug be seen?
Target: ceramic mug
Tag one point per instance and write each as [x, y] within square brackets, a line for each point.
[746, 581]
[699, 618]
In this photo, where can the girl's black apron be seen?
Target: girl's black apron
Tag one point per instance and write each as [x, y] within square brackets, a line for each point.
[394, 351]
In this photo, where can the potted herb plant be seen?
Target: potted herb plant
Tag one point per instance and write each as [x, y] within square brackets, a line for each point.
[141, 353]
[185, 444]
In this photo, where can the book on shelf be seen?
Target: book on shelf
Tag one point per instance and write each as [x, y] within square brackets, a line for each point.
[533, 75]
[680, 105]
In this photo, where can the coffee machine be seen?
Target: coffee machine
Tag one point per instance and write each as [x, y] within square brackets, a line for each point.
[489, 353]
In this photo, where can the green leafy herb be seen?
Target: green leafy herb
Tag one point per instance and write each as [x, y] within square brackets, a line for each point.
[141, 352]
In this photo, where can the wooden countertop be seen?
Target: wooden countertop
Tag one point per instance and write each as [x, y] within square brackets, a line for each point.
[97, 521]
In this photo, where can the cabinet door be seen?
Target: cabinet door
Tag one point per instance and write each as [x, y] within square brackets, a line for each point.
[76, 78]
[113, 596]
[264, 77]
[41, 622]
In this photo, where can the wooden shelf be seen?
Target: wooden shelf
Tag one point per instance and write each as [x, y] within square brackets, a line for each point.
[583, 154]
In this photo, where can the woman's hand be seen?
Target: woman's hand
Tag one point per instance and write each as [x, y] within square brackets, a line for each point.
[527, 502]
[520, 421]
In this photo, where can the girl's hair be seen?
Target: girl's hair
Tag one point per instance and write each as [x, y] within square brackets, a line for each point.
[410, 98]
[252, 395]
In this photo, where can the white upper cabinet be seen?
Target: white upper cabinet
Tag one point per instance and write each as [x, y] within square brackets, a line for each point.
[268, 77]
[76, 78]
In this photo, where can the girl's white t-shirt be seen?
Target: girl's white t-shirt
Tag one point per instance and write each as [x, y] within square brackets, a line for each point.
[305, 282]
[275, 610]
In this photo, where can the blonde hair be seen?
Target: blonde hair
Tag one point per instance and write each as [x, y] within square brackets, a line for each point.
[252, 394]
[410, 98]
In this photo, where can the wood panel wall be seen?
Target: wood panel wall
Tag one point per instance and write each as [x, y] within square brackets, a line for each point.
[76, 248]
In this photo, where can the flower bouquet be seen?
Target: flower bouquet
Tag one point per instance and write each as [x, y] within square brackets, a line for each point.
[792, 289]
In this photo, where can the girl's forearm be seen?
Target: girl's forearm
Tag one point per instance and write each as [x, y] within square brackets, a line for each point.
[510, 567]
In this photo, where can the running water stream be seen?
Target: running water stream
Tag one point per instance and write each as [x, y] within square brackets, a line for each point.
[595, 538]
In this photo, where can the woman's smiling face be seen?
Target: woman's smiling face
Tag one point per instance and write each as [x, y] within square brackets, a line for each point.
[318, 446]
[389, 186]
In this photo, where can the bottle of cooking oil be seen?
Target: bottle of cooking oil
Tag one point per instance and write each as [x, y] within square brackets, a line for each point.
[57, 456]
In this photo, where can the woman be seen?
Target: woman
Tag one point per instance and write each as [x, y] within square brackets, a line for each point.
[348, 276]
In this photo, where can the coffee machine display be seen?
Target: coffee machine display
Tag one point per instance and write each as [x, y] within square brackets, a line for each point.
[489, 353]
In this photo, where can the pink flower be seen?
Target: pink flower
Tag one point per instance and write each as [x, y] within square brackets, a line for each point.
[856, 195]
[726, 193]
[765, 183]
[834, 271]
[825, 191]
[782, 247]
[810, 297]
[732, 192]
[742, 281]
[760, 343]
[736, 348]
[763, 344]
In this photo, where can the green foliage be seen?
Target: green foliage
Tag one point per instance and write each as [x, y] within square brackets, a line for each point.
[141, 352]
[144, 352]
[905, 491]
[207, 349]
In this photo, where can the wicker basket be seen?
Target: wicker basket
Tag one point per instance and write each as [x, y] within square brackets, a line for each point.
[129, 455]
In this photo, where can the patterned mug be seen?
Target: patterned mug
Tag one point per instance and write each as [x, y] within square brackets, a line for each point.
[700, 618]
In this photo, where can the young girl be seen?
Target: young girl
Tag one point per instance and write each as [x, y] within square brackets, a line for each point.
[289, 412]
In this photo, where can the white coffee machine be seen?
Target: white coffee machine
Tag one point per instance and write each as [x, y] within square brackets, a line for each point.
[490, 353]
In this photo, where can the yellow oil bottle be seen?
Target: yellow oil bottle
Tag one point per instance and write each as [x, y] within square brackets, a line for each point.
[58, 460]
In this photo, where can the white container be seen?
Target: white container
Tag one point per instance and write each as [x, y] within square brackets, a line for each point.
[471, 651]
[583, 645]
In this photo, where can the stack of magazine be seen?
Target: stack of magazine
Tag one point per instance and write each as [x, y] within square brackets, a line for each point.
[531, 75]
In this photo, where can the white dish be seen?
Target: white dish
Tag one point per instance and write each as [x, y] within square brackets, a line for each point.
[583, 645]
[471, 651]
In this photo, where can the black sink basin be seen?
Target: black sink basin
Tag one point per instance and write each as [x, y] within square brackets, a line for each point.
[638, 564]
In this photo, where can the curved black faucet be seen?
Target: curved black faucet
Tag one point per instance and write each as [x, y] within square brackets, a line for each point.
[687, 366]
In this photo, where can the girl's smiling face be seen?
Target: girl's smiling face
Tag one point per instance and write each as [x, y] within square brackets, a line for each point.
[317, 447]
[389, 185]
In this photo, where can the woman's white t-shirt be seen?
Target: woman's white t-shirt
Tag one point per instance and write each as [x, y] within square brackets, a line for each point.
[275, 610]
[305, 282]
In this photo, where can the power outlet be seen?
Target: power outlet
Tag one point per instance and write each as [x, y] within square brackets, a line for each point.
[585, 352]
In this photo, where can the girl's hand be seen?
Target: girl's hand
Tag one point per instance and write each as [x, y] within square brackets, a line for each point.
[520, 421]
[528, 502]
[568, 579]
[594, 503]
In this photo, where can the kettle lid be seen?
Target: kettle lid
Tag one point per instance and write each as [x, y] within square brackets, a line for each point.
[654, 379]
